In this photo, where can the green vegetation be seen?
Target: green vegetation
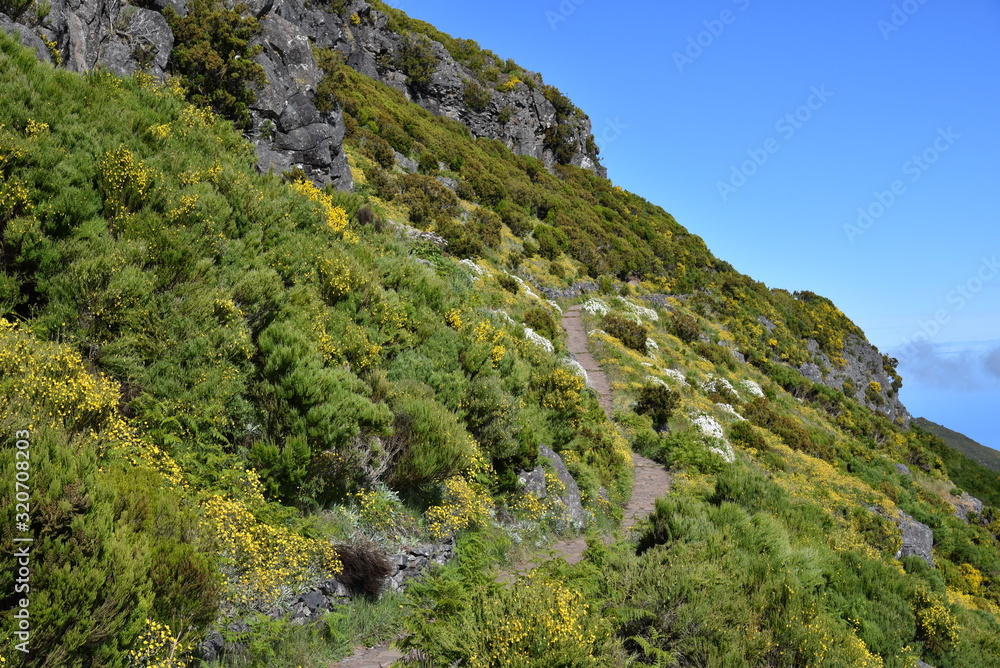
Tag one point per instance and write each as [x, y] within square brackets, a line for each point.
[214, 58]
[258, 385]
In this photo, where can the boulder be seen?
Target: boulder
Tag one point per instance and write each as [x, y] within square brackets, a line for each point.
[918, 539]
[27, 36]
[966, 504]
[571, 497]
[534, 482]
[902, 469]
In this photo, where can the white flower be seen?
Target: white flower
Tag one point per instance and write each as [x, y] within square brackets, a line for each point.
[595, 332]
[712, 430]
[657, 381]
[651, 344]
[596, 306]
[752, 388]
[709, 426]
[726, 408]
[647, 313]
[676, 375]
[577, 369]
[554, 305]
[476, 269]
[538, 339]
[713, 384]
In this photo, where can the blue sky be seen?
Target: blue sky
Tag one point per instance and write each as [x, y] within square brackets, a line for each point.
[846, 148]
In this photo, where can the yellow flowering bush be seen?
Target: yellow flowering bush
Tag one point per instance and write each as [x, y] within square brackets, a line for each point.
[123, 181]
[510, 84]
[260, 562]
[463, 505]
[334, 217]
[538, 621]
[561, 390]
[158, 647]
[936, 625]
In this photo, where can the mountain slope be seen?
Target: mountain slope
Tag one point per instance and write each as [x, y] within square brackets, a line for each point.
[300, 376]
[977, 452]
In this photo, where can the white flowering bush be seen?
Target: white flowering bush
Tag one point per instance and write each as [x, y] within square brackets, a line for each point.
[577, 369]
[677, 375]
[752, 388]
[657, 381]
[713, 431]
[596, 307]
[641, 311]
[555, 306]
[726, 408]
[473, 267]
[714, 384]
[539, 340]
[651, 345]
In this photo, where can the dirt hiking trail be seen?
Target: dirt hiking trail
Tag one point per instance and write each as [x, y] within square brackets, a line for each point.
[651, 481]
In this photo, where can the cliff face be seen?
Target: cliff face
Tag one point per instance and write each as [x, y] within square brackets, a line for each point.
[865, 377]
[287, 129]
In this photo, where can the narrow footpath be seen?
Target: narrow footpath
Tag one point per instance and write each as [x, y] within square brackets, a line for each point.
[651, 481]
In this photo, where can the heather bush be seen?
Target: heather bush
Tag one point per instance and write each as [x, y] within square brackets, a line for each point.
[632, 334]
[685, 326]
[417, 59]
[658, 402]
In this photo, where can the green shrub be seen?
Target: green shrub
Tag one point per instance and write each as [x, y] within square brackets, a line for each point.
[632, 334]
[487, 226]
[552, 242]
[508, 283]
[213, 54]
[542, 321]
[417, 59]
[427, 199]
[432, 445]
[476, 97]
[658, 402]
[685, 326]
[745, 434]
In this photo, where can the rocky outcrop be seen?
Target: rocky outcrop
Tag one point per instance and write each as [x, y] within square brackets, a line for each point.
[288, 131]
[864, 366]
[578, 289]
[568, 497]
[83, 35]
[966, 505]
[918, 539]
[520, 117]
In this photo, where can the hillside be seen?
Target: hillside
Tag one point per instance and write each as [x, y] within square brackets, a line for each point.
[987, 457]
[268, 340]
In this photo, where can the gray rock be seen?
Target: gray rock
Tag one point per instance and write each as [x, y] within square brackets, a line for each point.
[768, 325]
[405, 163]
[918, 539]
[533, 482]
[571, 497]
[902, 469]
[965, 505]
[372, 49]
[288, 129]
[215, 647]
[574, 291]
[27, 36]
[448, 182]
[864, 365]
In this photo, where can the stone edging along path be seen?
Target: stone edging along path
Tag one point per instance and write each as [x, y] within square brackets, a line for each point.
[651, 481]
